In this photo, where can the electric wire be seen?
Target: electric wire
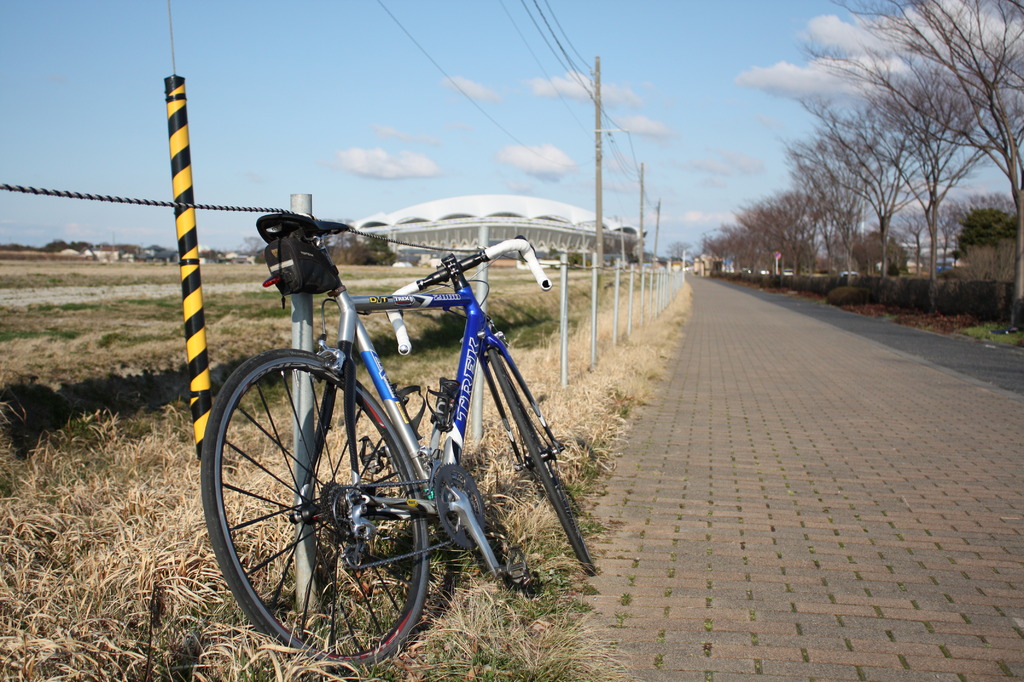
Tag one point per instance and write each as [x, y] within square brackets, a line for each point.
[561, 48]
[564, 34]
[472, 101]
[572, 71]
[541, 66]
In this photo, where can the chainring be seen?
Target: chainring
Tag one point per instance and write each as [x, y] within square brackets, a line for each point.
[447, 480]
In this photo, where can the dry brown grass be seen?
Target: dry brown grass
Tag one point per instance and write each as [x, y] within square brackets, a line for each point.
[106, 572]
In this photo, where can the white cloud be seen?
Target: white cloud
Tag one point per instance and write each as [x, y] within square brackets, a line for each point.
[377, 163]
[832, 32]
[577, 86]
[726, 162]
[830, 35]
[641, 125]
[544, 161]
[471, 89]
[389, 132]
[614, 95]
[789, 80]
[571, 86]
[703, 217]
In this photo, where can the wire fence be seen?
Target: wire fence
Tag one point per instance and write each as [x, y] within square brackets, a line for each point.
[69, 194]
[656, 287]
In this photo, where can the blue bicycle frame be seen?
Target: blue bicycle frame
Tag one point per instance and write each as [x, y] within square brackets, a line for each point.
[478, 338]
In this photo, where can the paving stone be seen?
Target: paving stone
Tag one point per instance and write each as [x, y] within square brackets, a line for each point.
[799, 502]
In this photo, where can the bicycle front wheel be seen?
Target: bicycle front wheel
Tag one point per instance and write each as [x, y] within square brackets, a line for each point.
[300, 547]
[533, 444]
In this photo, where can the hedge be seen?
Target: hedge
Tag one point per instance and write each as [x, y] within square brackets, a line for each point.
[983, 300]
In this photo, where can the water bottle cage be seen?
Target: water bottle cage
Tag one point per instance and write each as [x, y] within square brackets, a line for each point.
[443, 412]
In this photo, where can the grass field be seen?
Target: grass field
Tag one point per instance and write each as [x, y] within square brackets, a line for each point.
[105, 569]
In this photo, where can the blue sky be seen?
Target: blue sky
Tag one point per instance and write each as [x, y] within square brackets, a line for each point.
[333, 98]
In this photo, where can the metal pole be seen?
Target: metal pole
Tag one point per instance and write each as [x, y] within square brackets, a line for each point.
[629, 305]
[661, 290]
[615, 307]
[640, 232]
[302, 436]
[200, 399]
[598, 209]
[643, 301]
[593, 313]
[476, 410]
[654, 288]
[563, 325]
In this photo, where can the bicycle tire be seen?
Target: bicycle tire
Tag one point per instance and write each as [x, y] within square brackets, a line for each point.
[265, 512]
[542, 451]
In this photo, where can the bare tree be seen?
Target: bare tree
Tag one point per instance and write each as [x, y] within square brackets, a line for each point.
[782, 222]
[932, 117]
[910, 226]
[979, 46]
[874, 152]
[678, 250]
[252, 246]
[830, 185]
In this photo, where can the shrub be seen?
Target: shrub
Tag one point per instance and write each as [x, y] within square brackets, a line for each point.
[841, 296]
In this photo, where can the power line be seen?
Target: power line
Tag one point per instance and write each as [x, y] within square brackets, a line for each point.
[568, 57]
[456, 85]
[571, 69]
[541, 67]
[564, 34]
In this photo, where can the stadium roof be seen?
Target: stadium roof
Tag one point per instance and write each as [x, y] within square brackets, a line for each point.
[487, 206]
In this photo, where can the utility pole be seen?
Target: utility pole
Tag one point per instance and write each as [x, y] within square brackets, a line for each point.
[657, 229]
[599, 225]
[640, 236]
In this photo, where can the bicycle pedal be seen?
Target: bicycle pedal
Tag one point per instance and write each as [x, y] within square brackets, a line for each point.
[516, 570]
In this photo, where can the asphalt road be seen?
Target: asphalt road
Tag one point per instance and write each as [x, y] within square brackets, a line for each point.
[993, 364]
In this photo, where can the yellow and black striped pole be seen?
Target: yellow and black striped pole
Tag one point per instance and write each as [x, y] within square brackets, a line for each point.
[200, 399]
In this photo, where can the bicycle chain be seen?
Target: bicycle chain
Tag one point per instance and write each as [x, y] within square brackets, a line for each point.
[401, 557]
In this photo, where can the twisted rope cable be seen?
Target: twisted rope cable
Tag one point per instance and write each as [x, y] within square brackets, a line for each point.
[137, 202]
[67, 194]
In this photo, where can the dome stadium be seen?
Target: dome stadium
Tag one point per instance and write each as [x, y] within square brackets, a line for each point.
[455, 223]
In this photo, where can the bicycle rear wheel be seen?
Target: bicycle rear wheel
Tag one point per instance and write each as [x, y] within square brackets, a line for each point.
[531, 436]
[280, 506]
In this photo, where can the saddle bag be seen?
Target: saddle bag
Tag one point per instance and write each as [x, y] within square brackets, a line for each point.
[298, 267]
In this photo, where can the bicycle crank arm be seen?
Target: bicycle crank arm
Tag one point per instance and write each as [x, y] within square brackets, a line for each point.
[460, 504]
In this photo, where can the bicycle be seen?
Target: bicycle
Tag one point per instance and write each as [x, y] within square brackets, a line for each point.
[324, 506]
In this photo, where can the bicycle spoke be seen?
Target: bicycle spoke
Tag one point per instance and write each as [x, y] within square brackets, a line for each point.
[283, 528]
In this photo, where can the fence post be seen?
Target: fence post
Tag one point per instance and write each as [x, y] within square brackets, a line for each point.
[563, 325]
[476, 409]
[615, 307]
[629, 305]
[654, 289]
[593, 313]
[661, 291]
[200, 397]
[302, 339]
[643, 292]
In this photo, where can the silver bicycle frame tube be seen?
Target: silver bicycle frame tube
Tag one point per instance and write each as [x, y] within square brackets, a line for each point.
[351, 329]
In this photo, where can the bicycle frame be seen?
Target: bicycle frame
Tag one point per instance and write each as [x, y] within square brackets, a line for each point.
[477, 338]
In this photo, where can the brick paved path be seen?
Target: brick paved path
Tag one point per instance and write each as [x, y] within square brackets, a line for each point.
[802, 503]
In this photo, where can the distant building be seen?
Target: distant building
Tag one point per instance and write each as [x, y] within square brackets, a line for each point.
[455, 223]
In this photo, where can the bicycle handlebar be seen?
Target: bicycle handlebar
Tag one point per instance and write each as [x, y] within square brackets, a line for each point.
[518, 245]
